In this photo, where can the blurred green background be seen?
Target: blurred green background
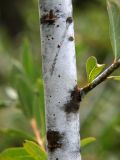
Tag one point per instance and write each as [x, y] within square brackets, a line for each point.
[21, 85]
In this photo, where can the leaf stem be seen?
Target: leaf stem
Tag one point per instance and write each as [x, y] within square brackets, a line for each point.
[37, 133]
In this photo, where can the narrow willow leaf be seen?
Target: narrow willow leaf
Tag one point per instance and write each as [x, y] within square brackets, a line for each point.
[93, 69]
[39, 106]
[8, 133]
[114, 78]
[9, 137]
[86, 141]
[27, 60]
[35, 151]
[25, 92]
[114, 17]
[15, 154]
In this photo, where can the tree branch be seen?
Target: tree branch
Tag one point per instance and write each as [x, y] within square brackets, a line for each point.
[101, 78]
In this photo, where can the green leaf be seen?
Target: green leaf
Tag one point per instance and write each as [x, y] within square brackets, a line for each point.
[9, 137]
[39, 106]
[15, 134]
[27, 60]
[114, 78]
[114, 17]
[95, 72]
[86, 141]
[91, 63]
[24, 81]
[25, 92]
[15, 154]
[93, 69]
[35, 151]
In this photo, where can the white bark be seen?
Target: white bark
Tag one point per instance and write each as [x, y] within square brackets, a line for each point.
[59, 72]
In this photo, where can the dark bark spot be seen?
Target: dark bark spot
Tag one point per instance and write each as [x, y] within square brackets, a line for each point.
[57, 11]
[48, 18]
[69, 20]
[59, 76]
[56, 158]
[45, 10]
[71, 38]
[54, 139]
[57, 26]
[72, 106]
[58, 46]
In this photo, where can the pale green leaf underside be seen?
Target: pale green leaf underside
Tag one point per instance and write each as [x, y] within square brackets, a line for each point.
[93, 69]
[86, 141]
[114, 17]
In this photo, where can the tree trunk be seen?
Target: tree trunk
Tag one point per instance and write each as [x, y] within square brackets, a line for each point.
[60, 78]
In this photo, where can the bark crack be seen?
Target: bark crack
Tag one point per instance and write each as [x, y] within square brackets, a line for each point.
[68, 22]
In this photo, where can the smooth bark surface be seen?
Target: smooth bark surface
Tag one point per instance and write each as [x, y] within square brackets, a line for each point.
[60, 78]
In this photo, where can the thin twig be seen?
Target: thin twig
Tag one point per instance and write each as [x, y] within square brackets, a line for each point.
[37, 133]
[101, 78]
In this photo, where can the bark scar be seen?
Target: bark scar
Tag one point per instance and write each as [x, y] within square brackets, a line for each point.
[72, 106]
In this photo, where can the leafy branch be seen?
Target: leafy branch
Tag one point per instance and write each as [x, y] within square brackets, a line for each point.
[94, 69]
[102, 77]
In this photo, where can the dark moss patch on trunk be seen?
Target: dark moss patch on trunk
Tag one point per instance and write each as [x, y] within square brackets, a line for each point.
[72, 106]
[54, 139]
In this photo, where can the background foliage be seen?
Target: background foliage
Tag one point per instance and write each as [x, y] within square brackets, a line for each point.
[21, 85]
